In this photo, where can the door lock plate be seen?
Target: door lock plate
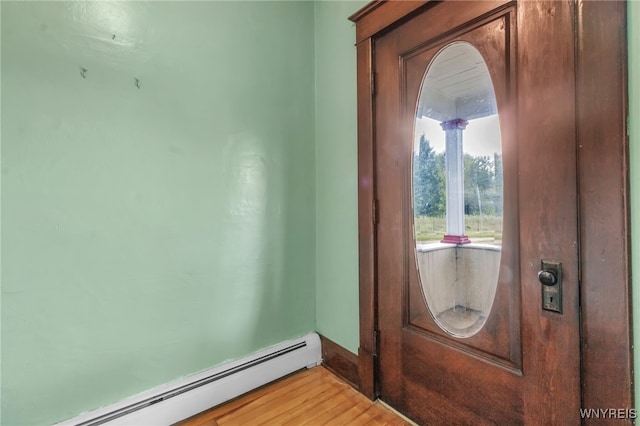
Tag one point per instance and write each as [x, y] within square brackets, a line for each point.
[550, 277]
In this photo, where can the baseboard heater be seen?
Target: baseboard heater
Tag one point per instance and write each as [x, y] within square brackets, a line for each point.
[186, 397]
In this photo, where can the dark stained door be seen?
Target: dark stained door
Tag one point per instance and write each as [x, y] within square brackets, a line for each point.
[524, 363]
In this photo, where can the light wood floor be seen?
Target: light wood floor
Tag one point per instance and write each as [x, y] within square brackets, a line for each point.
[312, 397]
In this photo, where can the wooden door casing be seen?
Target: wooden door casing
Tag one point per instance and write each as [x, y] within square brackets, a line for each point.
[606, 366]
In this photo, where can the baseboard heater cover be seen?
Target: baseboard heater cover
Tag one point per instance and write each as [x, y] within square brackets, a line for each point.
[179, 400]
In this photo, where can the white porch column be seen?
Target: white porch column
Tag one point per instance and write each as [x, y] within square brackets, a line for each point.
[455, 181]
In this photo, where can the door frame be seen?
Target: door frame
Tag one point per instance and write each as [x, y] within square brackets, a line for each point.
[603, 195]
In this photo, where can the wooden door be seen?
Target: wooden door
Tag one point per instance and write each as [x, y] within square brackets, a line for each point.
[524, 364]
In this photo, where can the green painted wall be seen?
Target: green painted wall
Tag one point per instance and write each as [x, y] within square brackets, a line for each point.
[634, 160]
[336, 173]
[151, 232]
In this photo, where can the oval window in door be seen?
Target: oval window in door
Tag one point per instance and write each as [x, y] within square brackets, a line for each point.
[457, 189]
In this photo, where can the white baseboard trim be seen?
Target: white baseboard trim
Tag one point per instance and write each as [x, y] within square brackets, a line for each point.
[183, 398]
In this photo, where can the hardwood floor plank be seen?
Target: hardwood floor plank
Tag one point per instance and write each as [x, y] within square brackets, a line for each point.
[368, 417]
[330, 414]
[294, 392]
[297, 415]
[282, 403]
[312, 397]
[326, 409]
[301, 378]
[347, 417]
[268, 396]
[209, 423]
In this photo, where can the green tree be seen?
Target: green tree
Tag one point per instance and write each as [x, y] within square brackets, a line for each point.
[479, 185]
[428, 181]
[497, 183]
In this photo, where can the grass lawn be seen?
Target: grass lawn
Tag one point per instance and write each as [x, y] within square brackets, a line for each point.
[481, 229]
